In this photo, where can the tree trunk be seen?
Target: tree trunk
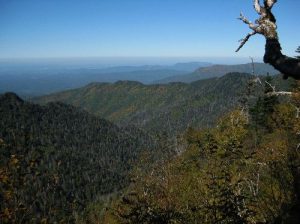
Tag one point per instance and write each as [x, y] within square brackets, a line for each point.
[286, 65]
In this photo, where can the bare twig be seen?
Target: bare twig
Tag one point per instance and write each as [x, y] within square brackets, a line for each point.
[256, 79]
[244, 41]
[248, 22]
[257, 6]
[277, 93]
[269, 84]
[251, 26]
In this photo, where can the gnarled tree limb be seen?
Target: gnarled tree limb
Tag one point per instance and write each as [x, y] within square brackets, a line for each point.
[266, 26]
[270, 3]
[257, 7]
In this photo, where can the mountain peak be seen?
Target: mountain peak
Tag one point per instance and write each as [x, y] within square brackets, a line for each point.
[128, 82]
[11, 97]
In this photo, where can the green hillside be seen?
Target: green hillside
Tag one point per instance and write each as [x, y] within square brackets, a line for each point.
[56, 159]
[171, 107]
[166, 107]
[243, 170]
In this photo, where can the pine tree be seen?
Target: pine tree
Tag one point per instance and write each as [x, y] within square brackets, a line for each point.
[298, 51]
[264, 107]
[225, 157]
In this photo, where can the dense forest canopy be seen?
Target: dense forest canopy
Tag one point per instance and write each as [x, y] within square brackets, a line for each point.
[59, 163]
[245, 170]
[56, 159]
[158, 108]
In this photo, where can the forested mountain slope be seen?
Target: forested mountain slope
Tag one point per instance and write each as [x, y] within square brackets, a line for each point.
[243, 170]
[237, 172]
[55, 159]
[167, 107]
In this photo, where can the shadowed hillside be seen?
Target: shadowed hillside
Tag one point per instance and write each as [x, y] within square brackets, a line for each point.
[55, 159]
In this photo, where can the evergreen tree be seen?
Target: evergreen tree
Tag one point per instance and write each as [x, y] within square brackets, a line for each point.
[264, 107]
[298, 51]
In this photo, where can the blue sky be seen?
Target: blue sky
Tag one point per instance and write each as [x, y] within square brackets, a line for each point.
[137, 28]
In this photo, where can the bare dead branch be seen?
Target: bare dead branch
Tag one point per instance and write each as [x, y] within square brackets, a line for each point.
[280, 93]
[244, 41]
[248, 22]
[257, 6]
[257, 80]
[251, 26]
[269, 84]
[266, 26]
[277, 93]
[270, 3]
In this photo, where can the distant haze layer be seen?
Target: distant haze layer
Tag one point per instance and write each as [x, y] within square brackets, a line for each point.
[33, 77]
[104, 62]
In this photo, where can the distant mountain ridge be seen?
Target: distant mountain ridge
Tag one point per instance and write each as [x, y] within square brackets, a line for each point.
[220, 70]
[40, 81]
[188, 67]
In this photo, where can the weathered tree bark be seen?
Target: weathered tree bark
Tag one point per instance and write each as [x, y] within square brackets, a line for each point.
[288, 66]
[266, 26]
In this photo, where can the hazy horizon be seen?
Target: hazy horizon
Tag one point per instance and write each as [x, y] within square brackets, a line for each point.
[106, 62]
